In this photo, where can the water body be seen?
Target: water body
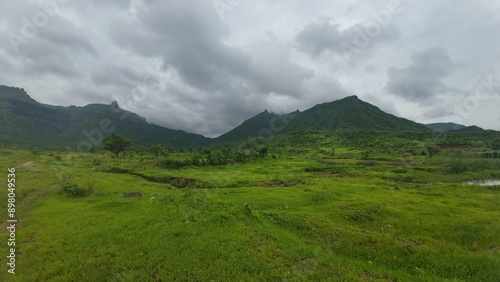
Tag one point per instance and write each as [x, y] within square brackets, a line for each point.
[483, 182]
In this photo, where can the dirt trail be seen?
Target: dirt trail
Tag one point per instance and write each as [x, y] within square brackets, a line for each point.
[25, 202]
[29, 165]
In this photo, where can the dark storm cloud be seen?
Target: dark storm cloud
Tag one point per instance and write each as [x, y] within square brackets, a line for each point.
[423, 79]
[191, 39]
[215, 77]
[205, 114]
[187, 38]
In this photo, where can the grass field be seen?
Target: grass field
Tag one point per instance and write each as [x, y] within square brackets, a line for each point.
[290, 218]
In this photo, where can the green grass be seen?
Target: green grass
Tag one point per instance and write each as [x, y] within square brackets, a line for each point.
[296, 218]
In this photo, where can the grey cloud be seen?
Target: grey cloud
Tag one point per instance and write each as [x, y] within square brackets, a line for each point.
[83, 92]
[422, 81]
[5, 63]
[320, 36]
[269, 61]
[123, 4]
[53, 48]
[103, 5]
[191, 40]
[51, 65]
[440, 110]
[187, 38]
[383, 104]
[69, 38]
[117, 75]
[185, 107]
[42, 57]
[324, 35]
[230, 88]
[320, 89]
[221, 73]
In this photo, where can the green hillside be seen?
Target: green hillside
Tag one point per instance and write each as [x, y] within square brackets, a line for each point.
[252, 127]
[25, 122]
[350, 113]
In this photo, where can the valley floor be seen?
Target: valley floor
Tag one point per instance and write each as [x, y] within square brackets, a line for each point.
[275, 219]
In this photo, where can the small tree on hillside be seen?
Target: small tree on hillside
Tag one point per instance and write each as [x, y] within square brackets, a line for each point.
[116, 143]
[496, 144]
[432, 149]
[158, 150]
[263, 151]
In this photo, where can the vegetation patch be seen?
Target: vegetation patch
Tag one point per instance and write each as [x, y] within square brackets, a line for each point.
[75, 191]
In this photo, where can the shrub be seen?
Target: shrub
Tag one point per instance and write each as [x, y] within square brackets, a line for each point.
[338, 170]
[496, 144]
[494, 155]
[316, 168]
[90, 183]
[96, 161]
[367, 163]
[456, 167]
[75, 191]
[361, 216]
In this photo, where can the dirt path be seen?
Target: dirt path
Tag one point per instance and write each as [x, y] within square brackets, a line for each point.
[23, 204]
[28, 165]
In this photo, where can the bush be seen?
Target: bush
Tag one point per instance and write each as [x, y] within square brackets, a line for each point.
[496, 144]
[456, 167]
[75, 191]
[492, 155]
[338, 170]
[96, 161]
[316, 168]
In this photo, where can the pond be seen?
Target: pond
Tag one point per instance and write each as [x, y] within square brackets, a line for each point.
[483, 182]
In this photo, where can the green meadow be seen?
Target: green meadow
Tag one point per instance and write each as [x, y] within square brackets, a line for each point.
[293, 212]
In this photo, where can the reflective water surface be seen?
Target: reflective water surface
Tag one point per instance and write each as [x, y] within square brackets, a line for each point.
[483, 182]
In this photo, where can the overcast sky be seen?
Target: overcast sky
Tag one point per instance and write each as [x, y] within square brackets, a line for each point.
[205, 66]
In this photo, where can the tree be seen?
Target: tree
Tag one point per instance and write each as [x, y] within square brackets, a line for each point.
[263, 151]
[116, 143]
[158, 150]
[496, 144]
[430, 150]
[433, 149]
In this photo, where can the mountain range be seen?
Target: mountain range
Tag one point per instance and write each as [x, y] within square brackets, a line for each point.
[26, 122]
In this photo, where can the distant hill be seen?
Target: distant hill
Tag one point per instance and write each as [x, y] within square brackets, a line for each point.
[25, 122]
[443, 127]
[347, 113]
[350, 113]
[471, 129]
[251, 127]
